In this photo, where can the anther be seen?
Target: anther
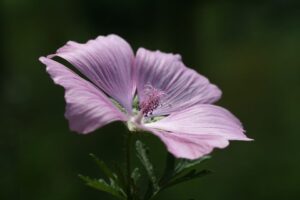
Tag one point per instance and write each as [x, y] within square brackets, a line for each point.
[152, 100]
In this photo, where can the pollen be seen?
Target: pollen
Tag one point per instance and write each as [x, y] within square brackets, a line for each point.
[152, 100]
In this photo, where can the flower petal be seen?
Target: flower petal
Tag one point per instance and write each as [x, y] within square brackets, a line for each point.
[87, 107]
[196, 131]
[183, 87]
[190, 146]
[108, 62]
[203, 119]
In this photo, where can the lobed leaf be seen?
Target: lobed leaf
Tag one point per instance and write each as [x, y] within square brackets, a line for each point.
[102, 185]
[142, 154]
[103, 167]
[191, 175]
[185, 164]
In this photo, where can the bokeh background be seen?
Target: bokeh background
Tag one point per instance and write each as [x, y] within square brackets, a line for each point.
[249, 49]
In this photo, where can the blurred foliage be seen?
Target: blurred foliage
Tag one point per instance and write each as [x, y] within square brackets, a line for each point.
[248, 48]
[125, 184]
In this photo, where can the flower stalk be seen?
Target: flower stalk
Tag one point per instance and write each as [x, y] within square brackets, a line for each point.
[128, 141]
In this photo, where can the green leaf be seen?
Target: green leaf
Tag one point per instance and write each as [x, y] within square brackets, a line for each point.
[185, 164]
[103, 167]
[142, 154]
[169, 168]
[120, 175]
[182, 172]
[107, 172]
[193, 174]
[135, 175]
[116, 183]
[102, 185]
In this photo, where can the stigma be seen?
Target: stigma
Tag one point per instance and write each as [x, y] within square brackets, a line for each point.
[152, 100]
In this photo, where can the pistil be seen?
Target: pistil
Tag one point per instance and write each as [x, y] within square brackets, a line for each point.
[152, 99]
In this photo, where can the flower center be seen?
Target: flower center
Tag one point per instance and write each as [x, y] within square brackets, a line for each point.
[152, 99]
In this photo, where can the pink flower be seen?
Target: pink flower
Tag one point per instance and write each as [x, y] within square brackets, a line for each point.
[151, 91]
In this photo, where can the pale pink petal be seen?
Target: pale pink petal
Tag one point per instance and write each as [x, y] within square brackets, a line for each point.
[190, 146]
[87, 108]
[182, 87]
[196, 131]
[203, 119]
[108, 62]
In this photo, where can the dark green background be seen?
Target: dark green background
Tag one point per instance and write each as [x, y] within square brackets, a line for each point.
[250, 50]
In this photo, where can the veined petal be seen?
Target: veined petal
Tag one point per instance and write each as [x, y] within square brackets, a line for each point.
[108, 62]
[190, 146]
[203, 119]
[196, 131]
[183, 87]
[87, 107]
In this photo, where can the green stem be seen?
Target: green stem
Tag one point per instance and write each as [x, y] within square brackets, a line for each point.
[128, 138]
